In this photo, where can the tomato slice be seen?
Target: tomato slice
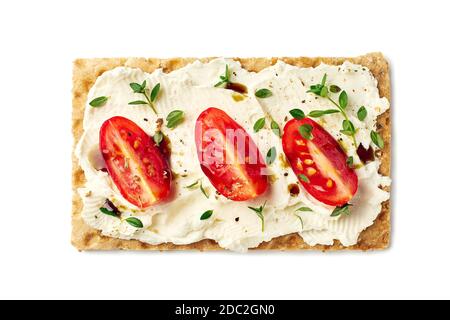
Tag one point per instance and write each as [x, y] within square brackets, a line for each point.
[320, 163]
[134, 162]
[229, 157]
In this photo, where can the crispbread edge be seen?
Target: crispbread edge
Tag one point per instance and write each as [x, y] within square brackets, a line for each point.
[86, 71]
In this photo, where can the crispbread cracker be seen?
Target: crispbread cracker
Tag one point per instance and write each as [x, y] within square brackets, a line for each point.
[85, 72]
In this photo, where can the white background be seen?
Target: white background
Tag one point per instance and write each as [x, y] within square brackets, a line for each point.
[39, 40]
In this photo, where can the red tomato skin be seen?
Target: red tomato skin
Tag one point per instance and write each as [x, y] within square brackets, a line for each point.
[122, 139]
[236, 180]
[298, 149]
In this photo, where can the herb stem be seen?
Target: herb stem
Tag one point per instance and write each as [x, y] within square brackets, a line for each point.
[345, 116]
[150, 103]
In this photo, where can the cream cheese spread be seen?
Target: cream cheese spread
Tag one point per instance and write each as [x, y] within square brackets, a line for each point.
[234, 226]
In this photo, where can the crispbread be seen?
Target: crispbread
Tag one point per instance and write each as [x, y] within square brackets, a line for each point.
[85, 72]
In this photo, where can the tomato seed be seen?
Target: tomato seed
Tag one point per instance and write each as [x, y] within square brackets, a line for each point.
[329, 183]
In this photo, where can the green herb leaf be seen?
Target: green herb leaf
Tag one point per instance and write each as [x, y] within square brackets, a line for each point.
[98, 102]
[320, 89]
[334, 88]
[316, 89]
[203, 191]
[263, 93]
[137, 102]
[297, 114]
[137, 88]
[362, 113]
[348, 125]
[224, 78]
[174, 118]
[155, 92]
[348, 128]
[134, 222]
[319, 113]
[306, 131]
[271, 155]
[343, 100]
[259, 213]
[206, 215]
[193, 185]
[345, 209]
[324, 92]
[303, 178]
[275, 128]
[324, 80]
[158, 137]
[304, 209]
[349, 161]
[218, 84]
[259, 124]
[377, 139]
[108, 212]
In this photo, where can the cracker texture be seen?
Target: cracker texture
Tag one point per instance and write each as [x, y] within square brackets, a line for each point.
[86, 71]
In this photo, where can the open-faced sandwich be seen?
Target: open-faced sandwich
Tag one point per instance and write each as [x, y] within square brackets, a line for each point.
[268, 153]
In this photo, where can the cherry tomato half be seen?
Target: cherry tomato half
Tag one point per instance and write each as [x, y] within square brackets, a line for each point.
[229, 157]
[134, 162]
[319, 163]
